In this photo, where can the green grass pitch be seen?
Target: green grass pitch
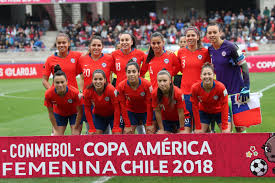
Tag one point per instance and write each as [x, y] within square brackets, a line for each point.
[22, 113]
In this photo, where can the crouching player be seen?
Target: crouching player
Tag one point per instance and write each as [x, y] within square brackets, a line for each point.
[63, 104]
[135, 100]
[106, 111]
[209, 101]
[169, 106]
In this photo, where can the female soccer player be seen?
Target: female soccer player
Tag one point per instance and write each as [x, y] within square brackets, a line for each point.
[158, 59]
[95, 59]
[63, 104]
[128, 51]
[67, 60]
[182, 42]
[192, 57]
[106, 111]
[178, 77]
[169, 106]
[210, 101]
[230, 66]
[135, 100]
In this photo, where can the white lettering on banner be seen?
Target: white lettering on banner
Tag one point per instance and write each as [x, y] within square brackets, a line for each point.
[1, 72]
[188, 166]
[266, 65]
[43, 150]
[21, 71]
[144, 166]
[91, 149]
[173, 148]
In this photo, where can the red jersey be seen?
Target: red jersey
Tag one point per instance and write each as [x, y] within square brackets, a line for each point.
[169, 62]
[191, 64]
[67, 64]
[62, 105]
[168, 111]
[104, 105]
[137, 101]
[121, 61]
[213, 102]
[87, 66]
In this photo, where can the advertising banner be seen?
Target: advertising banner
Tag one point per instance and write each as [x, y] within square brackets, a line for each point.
[261, 63]
[20, 71]
[25, 1]
[223, 155]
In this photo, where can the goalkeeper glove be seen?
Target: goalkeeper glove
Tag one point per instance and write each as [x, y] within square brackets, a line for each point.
[244, 94]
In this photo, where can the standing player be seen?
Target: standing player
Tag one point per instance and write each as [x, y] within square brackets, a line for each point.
[192, 58]
[67, 60]
[135, 100]
[63, 104]
[169, 106]
[128, 51]
[210, 101]
[106, 111]
[158, 59]
[182, 41]
[230, 66]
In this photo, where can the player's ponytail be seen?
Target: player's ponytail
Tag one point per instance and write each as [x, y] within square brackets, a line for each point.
[151, 53]
[171, 89]
[134, 45]
[58, 71]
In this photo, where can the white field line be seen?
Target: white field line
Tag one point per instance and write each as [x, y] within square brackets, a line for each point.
[266, 88]
[6, 94]
[102, 179]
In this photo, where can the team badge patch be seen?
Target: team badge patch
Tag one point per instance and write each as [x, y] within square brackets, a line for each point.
[107, 99]
[200, 57]
[166, 61]
[142, 94]
[73, 60]
[104, 65]
[134, 59]
[70, 101]
[215, 97]
[223, 53]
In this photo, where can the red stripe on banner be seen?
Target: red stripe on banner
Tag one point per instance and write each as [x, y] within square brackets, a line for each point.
[136, 155]
[261, 63]
[248, 118]
[21, 71]
[25, 1]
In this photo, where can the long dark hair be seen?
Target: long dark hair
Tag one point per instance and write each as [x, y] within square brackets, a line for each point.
[199, 44]
[98, 71]
[62, 34]
[151, 53]
[58, 72]
[171, 90]
[134, 45]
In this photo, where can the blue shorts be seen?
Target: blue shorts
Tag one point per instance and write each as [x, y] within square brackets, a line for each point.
[207, 118]
[63, 120]
[188, 103]
[171, 126]
[102, 122]
[135, 118]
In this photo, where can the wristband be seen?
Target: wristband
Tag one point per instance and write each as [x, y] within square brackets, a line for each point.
[181, 128]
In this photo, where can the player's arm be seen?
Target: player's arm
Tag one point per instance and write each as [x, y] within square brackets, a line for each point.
[77, 127]
[115, 102]
[46, 74]
[159, 120]
[195, 109]
[224, 112]
[122, 102]
[181, 119]
[88, 113]
[52, 118]
[81, 83]
[45, 82]
[176, 65]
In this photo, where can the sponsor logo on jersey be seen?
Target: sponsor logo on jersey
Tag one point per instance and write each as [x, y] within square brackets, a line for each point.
[215, 97]
[134, 59]
[107, 99]
[223, 53]
[70, 101]
[166, 60]
[104, 64]
[142, 94]
[73, 60]
[200, 57]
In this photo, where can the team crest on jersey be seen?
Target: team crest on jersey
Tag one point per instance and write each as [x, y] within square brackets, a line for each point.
[107, 99]
[166, 60]
[73, 60]
[215, 97]
[142, 94]
[223, 53]
[200, 57]
[104, 64]
[134, 59]
[70, 101]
